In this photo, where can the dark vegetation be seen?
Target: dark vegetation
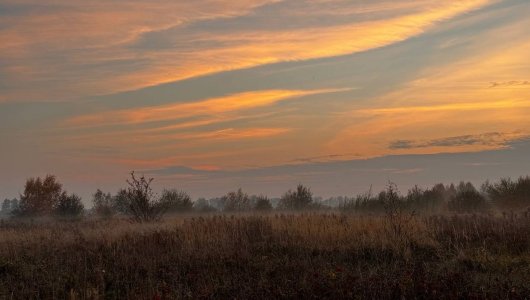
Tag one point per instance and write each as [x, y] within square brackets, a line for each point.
[46, 196]
[309, 255]
[445, 242]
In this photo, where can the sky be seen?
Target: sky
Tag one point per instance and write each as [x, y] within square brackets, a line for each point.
[212, 95]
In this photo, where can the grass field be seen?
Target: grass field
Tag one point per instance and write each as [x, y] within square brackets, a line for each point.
[268, 256]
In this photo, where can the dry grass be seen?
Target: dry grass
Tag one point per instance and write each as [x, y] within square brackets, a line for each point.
[270, 256]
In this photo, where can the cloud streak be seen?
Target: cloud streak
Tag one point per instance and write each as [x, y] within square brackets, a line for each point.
[497, 139]
[209, 107]
[98, 61]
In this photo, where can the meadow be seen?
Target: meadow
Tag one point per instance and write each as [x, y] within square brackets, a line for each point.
[275, 255]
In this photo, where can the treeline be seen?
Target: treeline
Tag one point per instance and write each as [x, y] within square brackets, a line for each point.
[46, 197]
[463, 197]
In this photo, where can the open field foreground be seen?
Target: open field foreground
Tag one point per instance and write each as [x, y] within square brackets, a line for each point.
[271, 256]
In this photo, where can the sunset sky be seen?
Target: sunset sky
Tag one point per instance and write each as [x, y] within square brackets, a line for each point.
[212, 95]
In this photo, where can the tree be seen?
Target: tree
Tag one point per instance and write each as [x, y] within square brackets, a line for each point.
[6, 206]
[69, 206]
[236, 201]
[301, 198]
[120, 202]
[202, 205]
[263, 204]
[436, 197]
[103, 204]
[144, 206]
[415, 197]
[508, 194]
[176, 201]
[14, 205]
[467, 199]
[430, 199]
[40, 196]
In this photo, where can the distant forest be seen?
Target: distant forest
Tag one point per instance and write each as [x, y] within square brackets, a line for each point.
[46, 197]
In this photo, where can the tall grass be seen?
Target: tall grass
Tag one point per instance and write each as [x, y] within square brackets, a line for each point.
[248, 256]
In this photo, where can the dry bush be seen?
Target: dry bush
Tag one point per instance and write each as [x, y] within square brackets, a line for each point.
[143, 204]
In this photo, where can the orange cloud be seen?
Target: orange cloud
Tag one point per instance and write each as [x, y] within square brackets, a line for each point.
[62, 41]
[90, 43]
[191, 138]
[250, 49]
[231, 103]
[469, 106]
[233, 134]
[450, 100]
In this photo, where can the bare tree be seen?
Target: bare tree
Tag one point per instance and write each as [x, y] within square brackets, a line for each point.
[143, 203]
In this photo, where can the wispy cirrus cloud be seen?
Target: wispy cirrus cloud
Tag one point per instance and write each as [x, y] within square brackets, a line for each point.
[452, 99]
[100, 61]
[156, 132]
[466, 106]
[209, 107]
[229, 134]
[68, 43]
